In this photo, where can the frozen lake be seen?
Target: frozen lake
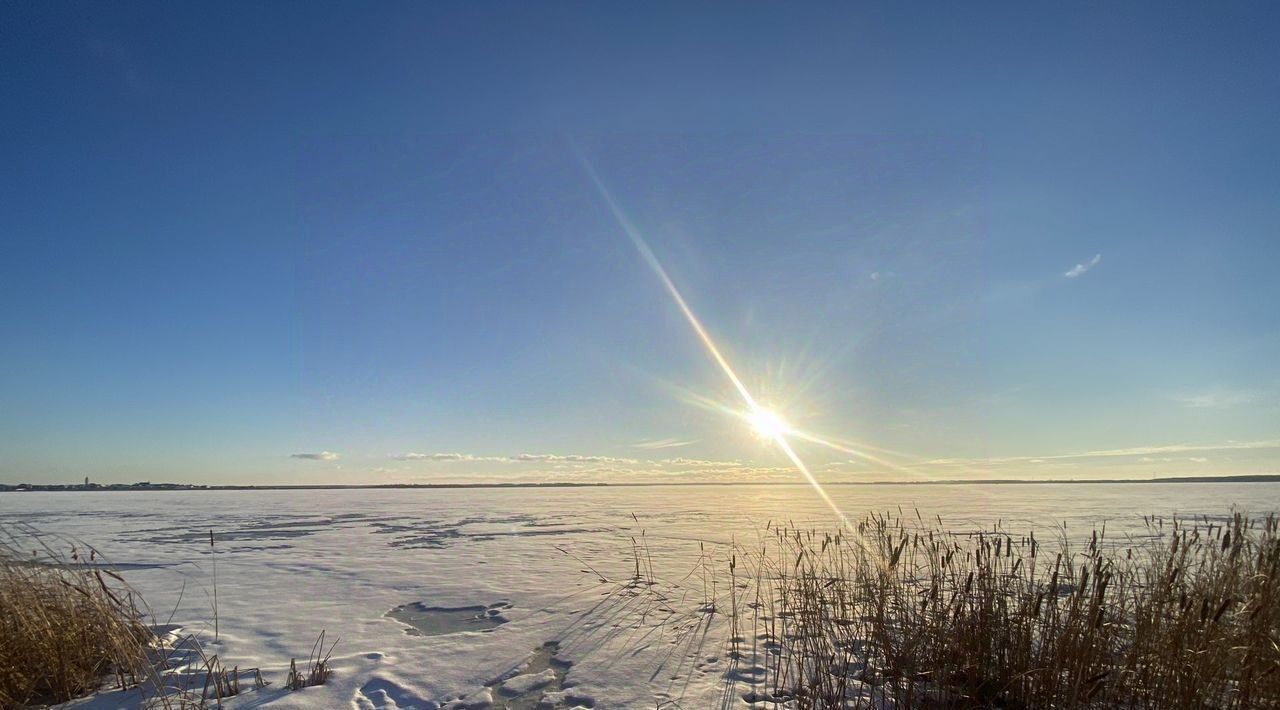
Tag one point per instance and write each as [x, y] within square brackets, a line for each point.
[508, 580]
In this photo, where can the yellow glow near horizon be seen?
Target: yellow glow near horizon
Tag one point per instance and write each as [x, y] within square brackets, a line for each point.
[768, 424]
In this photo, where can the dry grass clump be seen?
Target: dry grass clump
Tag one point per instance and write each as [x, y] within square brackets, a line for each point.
[179, 679]
[65, 623]
[902, 611]
[317, 670]
[68, 623]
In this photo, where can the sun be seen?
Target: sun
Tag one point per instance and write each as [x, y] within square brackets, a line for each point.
[768, 424]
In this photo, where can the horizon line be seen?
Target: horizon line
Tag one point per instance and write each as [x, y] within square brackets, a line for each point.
[134, 487]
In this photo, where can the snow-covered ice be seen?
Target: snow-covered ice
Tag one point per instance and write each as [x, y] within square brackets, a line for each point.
[507, 598]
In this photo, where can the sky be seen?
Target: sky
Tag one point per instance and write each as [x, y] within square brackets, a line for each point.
[337, 243]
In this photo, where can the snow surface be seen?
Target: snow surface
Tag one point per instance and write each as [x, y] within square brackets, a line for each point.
[553, 563]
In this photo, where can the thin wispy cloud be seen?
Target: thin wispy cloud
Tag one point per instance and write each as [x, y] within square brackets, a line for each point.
[704, 463]
[1217, 399]
[592, 467]
[573, 458]
[518, 458]
[645, 472]
[663, 444]
[443, 456]
[320, 456]
[1137, 451]
[1080, 269]
[844, 466]
[1173, 449]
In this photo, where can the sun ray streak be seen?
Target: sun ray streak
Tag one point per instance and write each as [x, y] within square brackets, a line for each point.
[637, 239]
[852, 448]
[899, 468]
[822, 493]
[846, 444]
[652, 260]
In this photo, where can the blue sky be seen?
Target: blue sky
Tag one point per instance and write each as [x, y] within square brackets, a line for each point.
[297, 242]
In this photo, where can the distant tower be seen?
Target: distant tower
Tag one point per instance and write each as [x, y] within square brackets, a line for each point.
[86, 481]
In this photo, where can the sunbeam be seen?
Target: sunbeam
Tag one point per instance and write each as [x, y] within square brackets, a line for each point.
[856, 449]
[856, 452]
[764, 421]
[768, 424]
[652, 260]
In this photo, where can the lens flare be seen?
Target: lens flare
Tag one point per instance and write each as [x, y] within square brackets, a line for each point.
[768, 425]
[762, 419]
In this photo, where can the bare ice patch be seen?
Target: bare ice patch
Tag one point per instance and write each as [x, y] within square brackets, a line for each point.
[424, 620]
[540, 683]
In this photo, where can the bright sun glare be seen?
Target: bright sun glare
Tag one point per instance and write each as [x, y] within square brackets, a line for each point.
[768, 424]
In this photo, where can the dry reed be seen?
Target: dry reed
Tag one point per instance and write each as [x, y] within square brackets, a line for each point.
[317, 670]
[904, 613]
[66, 623]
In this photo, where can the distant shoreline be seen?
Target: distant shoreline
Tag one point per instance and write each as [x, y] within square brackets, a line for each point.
[116, 488]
